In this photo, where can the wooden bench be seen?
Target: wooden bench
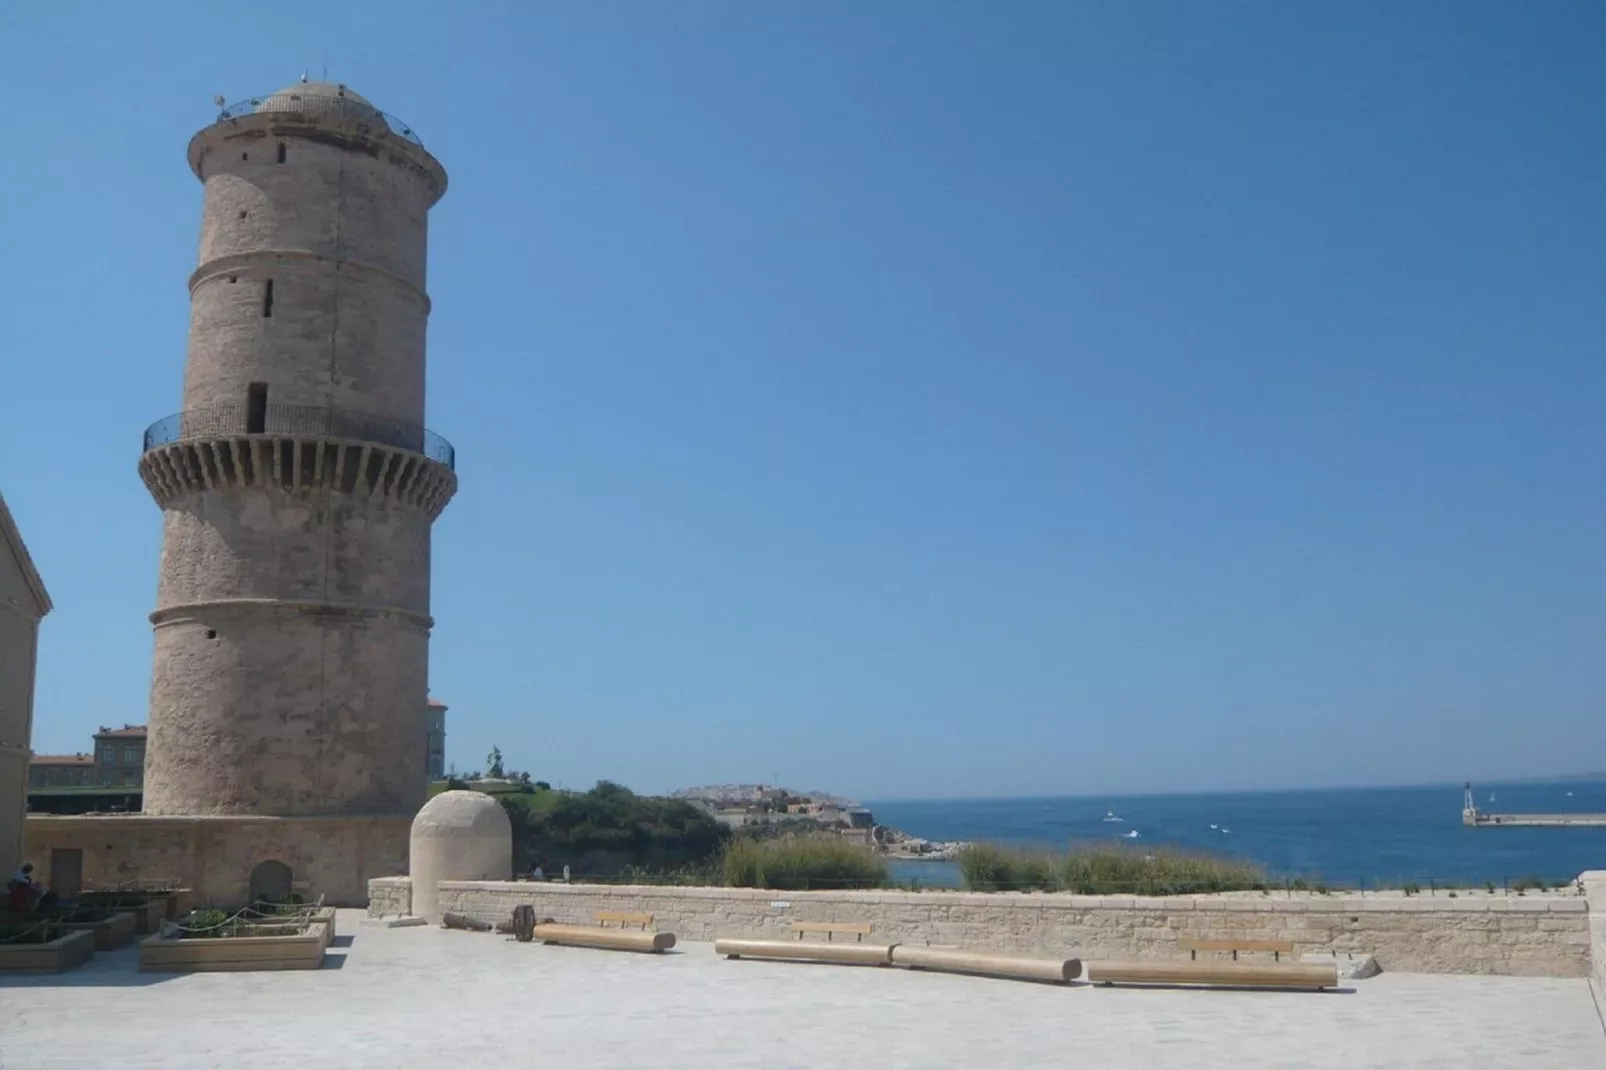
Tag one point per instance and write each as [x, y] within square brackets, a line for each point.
[1278, 948]
[622, 919]
[858, 929]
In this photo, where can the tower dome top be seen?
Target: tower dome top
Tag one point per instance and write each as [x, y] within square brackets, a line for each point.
[315, 97]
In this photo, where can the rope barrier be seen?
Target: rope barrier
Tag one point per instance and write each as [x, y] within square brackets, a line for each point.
[17, 937]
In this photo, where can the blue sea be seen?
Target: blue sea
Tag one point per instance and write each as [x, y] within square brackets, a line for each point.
[1362, 837]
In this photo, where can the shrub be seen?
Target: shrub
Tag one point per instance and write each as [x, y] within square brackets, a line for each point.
[1100, 870]
[1413, 889]
[205, 924]
[987, 867]
[610, 828]
[800, 864]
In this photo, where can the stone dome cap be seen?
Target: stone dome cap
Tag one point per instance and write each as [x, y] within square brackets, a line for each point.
[457, 836]
[319, 98]
[462, 813]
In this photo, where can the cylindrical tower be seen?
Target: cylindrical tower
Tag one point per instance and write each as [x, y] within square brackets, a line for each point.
[298, 484]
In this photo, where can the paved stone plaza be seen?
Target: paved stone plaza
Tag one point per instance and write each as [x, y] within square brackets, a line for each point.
[426, 997]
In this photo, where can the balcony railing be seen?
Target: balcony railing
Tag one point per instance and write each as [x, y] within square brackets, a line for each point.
[224, 421]
[321, 106]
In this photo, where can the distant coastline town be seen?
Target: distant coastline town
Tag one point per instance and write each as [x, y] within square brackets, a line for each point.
[757, 809]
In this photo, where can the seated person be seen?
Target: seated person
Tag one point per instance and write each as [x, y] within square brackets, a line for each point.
[22, 889]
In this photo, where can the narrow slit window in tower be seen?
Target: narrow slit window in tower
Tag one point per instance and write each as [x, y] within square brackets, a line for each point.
[256, 409]
[281, 152]
[267, 300]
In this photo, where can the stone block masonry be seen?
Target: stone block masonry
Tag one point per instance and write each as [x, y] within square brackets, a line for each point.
[1594, 883]
[213, 857]
[297, 482]
[1532, 936]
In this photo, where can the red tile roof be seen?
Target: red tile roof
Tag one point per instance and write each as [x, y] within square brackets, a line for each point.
[61, 759]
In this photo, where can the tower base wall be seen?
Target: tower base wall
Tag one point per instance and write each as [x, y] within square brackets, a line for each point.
[268, 708]
[213, 857]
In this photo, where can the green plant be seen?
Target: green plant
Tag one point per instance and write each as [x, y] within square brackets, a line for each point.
[1102, 870]
[1452, 893]
[1489, 885]
[1413, 889]
[609, 828]
[800, 864]
[205, 924]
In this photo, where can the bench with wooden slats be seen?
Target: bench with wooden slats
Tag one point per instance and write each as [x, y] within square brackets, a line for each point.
[1278, 948]
[622, 919]
[829, 928]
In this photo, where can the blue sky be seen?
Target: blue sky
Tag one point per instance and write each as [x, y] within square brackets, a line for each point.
[906, 399]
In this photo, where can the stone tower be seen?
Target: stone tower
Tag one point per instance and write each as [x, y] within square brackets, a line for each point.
[298, 484]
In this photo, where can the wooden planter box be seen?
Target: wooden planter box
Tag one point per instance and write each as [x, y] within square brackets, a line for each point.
[167, 902]
[323, 920]
[149, 913]
[110, 933]
[290, 951]
[63, 953]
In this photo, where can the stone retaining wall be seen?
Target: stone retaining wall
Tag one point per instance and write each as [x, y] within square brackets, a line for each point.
[1594, 883]
[213, 856]
[390, 897]
[1535, 935]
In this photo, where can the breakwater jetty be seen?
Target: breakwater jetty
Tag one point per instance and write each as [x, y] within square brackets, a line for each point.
[1472, 817]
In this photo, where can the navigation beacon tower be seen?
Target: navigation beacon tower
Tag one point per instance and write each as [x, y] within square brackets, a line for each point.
[298, 485]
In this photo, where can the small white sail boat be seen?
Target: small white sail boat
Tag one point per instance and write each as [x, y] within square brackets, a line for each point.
[1132, 835]
[1109, 815]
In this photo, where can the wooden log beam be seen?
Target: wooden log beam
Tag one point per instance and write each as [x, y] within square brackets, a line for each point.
[608, 939]
[1217, 974]
[463, 921]
[807, 951]
[987, 963]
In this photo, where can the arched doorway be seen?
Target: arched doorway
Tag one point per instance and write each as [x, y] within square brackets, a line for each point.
[270, 880]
